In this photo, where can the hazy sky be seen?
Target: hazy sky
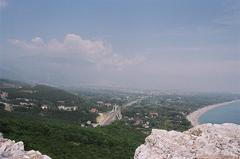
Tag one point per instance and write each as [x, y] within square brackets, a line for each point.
[171, 44]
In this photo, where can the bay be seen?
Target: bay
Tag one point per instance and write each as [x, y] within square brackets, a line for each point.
[229, 113]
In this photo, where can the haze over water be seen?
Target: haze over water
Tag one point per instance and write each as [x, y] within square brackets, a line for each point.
[230, 113]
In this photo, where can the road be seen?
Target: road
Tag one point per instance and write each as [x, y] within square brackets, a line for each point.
[113, 115]
[132, 102]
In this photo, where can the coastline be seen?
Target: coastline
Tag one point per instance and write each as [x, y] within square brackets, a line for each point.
[194, 116]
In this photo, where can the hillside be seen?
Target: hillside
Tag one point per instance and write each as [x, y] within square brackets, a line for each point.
[27, 100]
[60, 140]
[42, 93]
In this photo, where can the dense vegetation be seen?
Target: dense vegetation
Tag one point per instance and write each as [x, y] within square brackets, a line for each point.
[69, 141]
[75, 117]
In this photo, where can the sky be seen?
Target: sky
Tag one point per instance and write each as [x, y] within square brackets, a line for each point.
[184, 45]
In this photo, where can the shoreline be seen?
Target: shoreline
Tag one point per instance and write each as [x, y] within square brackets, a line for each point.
[194, 116]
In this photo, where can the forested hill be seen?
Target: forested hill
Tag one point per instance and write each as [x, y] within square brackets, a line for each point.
[43, 94]
[70, 141]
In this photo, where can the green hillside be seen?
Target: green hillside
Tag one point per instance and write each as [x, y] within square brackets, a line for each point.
[42, 93]
[70, 141]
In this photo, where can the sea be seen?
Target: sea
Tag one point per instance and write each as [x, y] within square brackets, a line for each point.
[229, 113]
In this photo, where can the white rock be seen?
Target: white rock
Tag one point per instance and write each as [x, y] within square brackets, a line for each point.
[202, 141]
[11, 150]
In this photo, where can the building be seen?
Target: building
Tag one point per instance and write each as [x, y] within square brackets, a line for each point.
[137, 122]
[23, 99]
[108, 104]
[74, 108]
[44, 107]
[89, 122]
[153, 115]
[100, 102]
[62, 107]
[93, 110]
[24, 104]
[3, 95]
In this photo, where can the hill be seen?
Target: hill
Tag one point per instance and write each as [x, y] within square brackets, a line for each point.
[70, 141]
[41, 93]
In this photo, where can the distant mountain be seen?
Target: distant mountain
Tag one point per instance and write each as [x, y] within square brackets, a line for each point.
[49, 93]
[7, 83]
[40, 92]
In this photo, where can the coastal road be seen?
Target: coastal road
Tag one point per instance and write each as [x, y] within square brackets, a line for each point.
[132, 102]
[112, 115]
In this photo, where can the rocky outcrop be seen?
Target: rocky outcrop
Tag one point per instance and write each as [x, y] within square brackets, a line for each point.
[11, 150]
[207, 141]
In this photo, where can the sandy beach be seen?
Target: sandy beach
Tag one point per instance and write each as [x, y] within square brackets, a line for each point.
[194, 116]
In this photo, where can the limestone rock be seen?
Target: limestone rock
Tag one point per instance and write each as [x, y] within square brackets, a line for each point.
[207, 141]
[11, 150]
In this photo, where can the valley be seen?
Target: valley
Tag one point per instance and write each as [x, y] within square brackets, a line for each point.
[92, 123]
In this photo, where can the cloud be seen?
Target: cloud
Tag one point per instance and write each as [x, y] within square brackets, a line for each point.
[94, 51]
[3, 3]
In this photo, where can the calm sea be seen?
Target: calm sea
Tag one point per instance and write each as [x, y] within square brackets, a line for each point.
[230, 113]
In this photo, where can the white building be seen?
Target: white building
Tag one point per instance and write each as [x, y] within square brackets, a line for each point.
[3, 95]
[44, 107]
[24, 104]
[108, 104]
[99, 102]
[88, 122]
[62, 107]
